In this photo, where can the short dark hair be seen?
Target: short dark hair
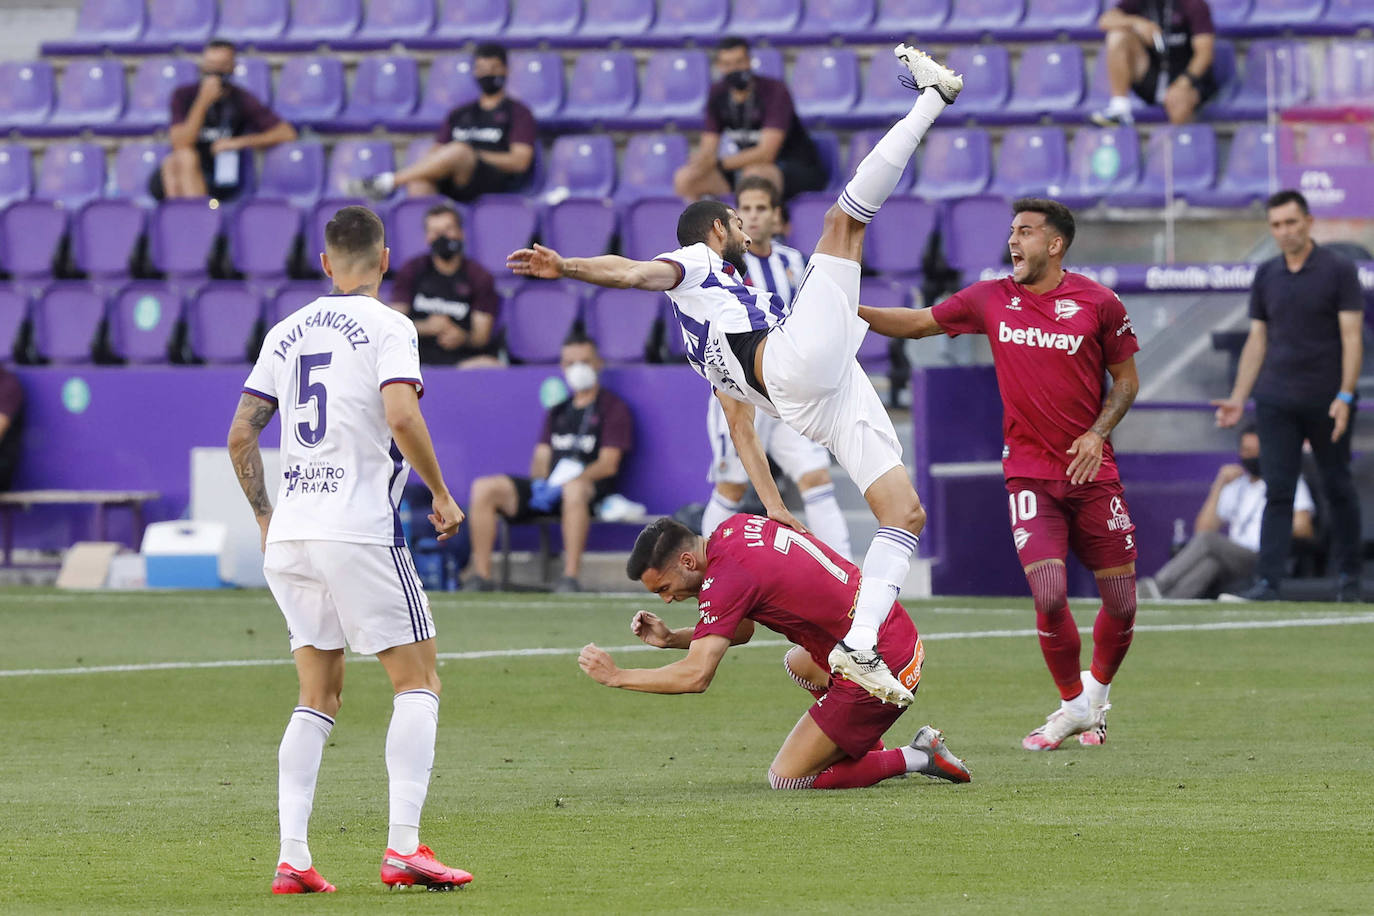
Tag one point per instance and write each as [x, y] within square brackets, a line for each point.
[577, 337]
[658, 543]
[694, 225]
[730, 42]
[222, 43]
[1055, 213]
[441, 209]
[759, 183]
[1287, 196]
[490, 49]
[355, 234]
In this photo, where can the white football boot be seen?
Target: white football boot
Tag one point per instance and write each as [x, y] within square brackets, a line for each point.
[926, 73]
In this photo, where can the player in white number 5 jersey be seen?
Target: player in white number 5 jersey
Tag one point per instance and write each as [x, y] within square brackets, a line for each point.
[801, 369]
[345, 372]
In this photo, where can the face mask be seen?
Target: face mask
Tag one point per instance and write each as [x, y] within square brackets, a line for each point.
[224, 78]
[1251, 466]
[739, 79]
[580, 376]
[445, 248]
[491, 84]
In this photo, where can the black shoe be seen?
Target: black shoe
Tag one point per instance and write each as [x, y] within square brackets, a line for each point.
[567, 585]
[1262, 590]
[479, 584]
[1348, 589]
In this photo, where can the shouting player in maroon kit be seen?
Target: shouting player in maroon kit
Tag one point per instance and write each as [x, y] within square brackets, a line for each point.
[1054, 336]
[799, 587]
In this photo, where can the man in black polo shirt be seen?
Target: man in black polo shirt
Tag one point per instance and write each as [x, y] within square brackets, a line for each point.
[483, 147]
[584, 440]
[754, 116]
[451, 298]
[1302, 361]
[213, 122]
[1147, 37]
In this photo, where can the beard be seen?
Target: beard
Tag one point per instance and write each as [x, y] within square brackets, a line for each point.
[734, 254]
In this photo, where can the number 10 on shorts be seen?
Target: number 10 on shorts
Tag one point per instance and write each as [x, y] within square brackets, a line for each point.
[1023, 507]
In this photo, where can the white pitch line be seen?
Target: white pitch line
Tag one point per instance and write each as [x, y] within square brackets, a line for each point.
[1348, 620]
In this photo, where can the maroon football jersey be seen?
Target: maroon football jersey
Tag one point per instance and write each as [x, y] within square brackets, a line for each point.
[793, 584]
[1051, 354]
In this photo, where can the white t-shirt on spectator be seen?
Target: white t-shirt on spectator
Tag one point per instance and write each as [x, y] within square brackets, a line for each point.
[1241, 506]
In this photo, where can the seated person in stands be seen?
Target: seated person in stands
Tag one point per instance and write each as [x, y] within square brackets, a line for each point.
[213, 122]
[483, 147]
[1147, 37]
[751, 128]
[11, 426]
[584, 440]
[451, 297]
[1212, 559]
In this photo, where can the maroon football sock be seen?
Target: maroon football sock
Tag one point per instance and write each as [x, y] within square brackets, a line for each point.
[1115, 626]
[873, 767]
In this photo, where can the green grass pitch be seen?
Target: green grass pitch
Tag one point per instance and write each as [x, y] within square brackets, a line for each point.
[1238, 775]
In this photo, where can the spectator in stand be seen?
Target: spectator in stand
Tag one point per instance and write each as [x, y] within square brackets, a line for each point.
[580, 450]
[751, 128]
[483, 147]
[1147, 37]
[1211, 559]
[11, 425]
[451, 298]
[213, 122]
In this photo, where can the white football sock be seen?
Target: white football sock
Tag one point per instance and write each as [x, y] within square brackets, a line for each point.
[884, 570]
[718, 509]
[915, 758]
[826, 521]
[1119, 104]
[1095, 690]
[882, 168]
[409, 758]
[1079, 707]
[298, 767]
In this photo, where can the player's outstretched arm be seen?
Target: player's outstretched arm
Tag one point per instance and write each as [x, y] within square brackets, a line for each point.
[891, 322]
[252, 415]
[691, 674]
[411, 433]
[604, 270]
[651, 628]
[1087, 448]
[740, 418]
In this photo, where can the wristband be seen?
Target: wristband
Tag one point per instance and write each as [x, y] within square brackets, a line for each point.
[1346, 397]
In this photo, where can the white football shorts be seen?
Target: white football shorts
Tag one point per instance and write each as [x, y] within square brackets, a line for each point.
[794, 453]
[817, 386]
[333, 593]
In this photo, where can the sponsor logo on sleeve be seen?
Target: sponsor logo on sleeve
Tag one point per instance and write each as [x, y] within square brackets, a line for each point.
[1125, 327]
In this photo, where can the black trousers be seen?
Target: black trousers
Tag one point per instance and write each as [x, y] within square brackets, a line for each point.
[1282, 429]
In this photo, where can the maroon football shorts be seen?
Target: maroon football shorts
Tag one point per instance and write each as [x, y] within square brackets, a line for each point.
[855, 719]
[1051, 517]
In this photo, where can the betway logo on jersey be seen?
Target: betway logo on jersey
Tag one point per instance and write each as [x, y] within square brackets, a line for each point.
[1043, 340]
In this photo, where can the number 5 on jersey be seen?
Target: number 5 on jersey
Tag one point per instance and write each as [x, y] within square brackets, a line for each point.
[312, 393]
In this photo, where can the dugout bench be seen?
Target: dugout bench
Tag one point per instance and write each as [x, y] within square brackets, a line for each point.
[102, 500]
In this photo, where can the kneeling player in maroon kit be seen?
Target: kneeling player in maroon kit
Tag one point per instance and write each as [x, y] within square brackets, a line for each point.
[1054, 336]
[754, 570]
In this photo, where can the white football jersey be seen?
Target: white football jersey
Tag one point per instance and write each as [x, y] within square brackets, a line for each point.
[779, 273]
[710, 301]
[324, 367]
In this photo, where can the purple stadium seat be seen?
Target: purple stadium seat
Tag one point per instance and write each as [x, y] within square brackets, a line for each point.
[294, 172]
[974, 233]
[954, 163]
[1101, 161]
[251, 21]
[884, 98]
[537, 319]
[535, 20]
[448, 85]
[460, 21]
[66, 322]
[580, 228]
[900, 233]
[621, 321]
[254, 75]
[317, 218]
[357, 159]
[174, 23]
[150, 92]
[1048, 79]
[1345, 16]
[972, 18]
[536, 78]
[607, 19]
[104, 235]
[101, 23]
[1349, 72]
[1188, 151]
[383, 87]
[1336, 144]
[766, 17]
[500, 223]
[649, 227]
[767, 62]
[405, 226]
[648, 166]
[143, 317]
[602, 86]
[1228, 14]
[899, 19]
[262, 237]
[861, 143]
[14, 309]
[90, 93]
[16, 173]
[1049, 18]
[808, 216]
[1031, 160]
[828, 151]
[310, 89]
[679, 19]
[26, 93]
[1246, 178]
[825, 81]
[181, 235]
[1277, 15]
[826, 19]
[397, 20]
[987, 78]
[674, 87]
[220, 320]
[875, 349]
[315, 22]
[135, 161]
[1288, 64]
[582, 165]
[31, 230]
[293, 297]
[71, 173]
